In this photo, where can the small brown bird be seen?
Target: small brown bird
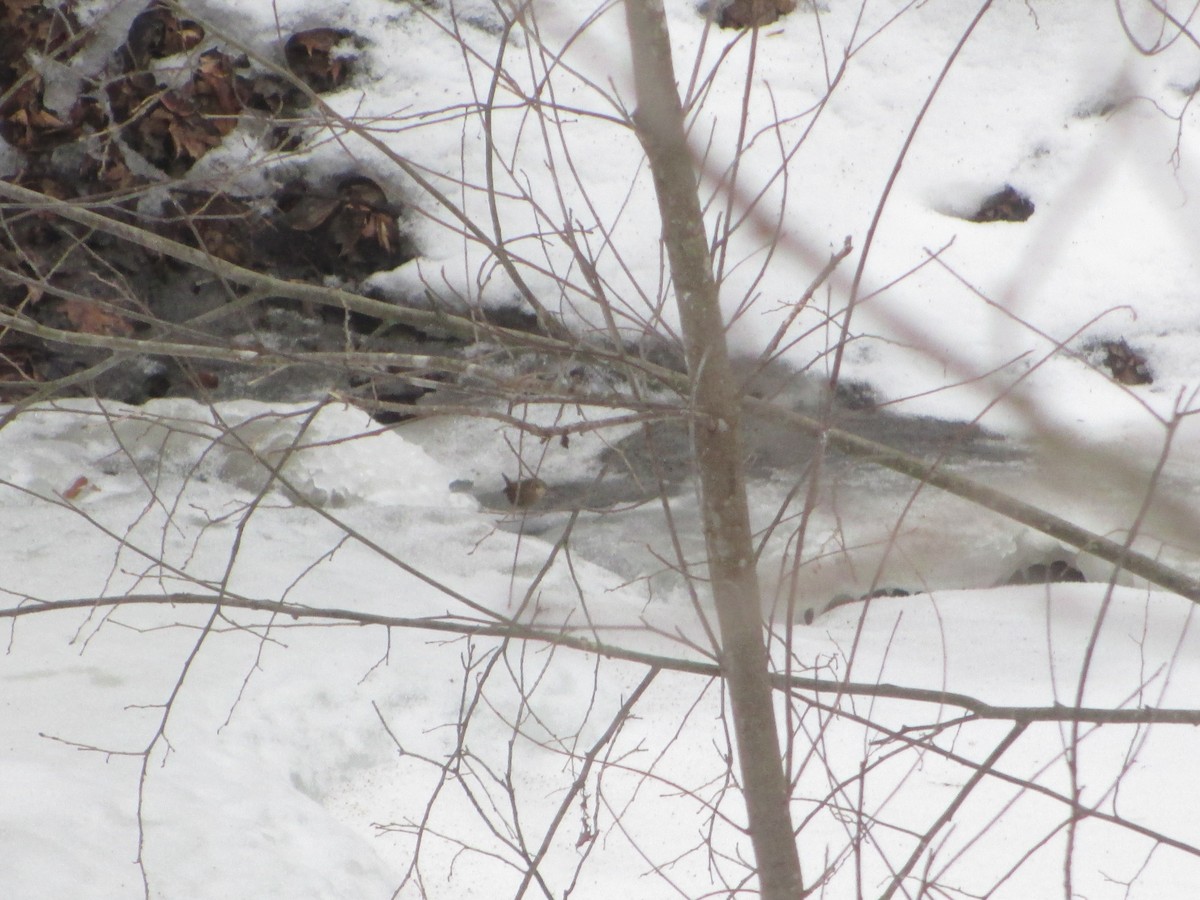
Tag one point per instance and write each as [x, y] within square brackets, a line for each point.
[525, 492]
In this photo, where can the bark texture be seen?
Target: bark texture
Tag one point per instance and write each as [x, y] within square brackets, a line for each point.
[660, 127]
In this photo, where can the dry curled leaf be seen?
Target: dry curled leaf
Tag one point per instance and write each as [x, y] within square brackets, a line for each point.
[524, 492]
[27, 124]
[33, 25]
[1006, 205]
[1126, 364]
[90, 318]
[156, 34]
[312, 56]
[356, 223]
[88, 113]
[192, 137]
[172, 134]
[364, 215]
[310, 212]
[78, 486]
[214, 91]
[129, 95]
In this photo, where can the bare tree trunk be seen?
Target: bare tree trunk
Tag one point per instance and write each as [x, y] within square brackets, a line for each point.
[717, 446]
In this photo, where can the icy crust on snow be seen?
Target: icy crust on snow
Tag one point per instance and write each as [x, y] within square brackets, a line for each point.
[178, 496]
[279, 765]
[235, 444]
[274, 715]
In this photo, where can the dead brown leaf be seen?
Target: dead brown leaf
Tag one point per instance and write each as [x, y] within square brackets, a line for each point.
[77, 487]
[312, 56]
[89, 317]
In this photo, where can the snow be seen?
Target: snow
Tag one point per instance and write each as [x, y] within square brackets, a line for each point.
[298, 758]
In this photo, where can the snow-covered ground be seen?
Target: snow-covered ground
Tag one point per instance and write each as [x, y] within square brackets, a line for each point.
[303, 756]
